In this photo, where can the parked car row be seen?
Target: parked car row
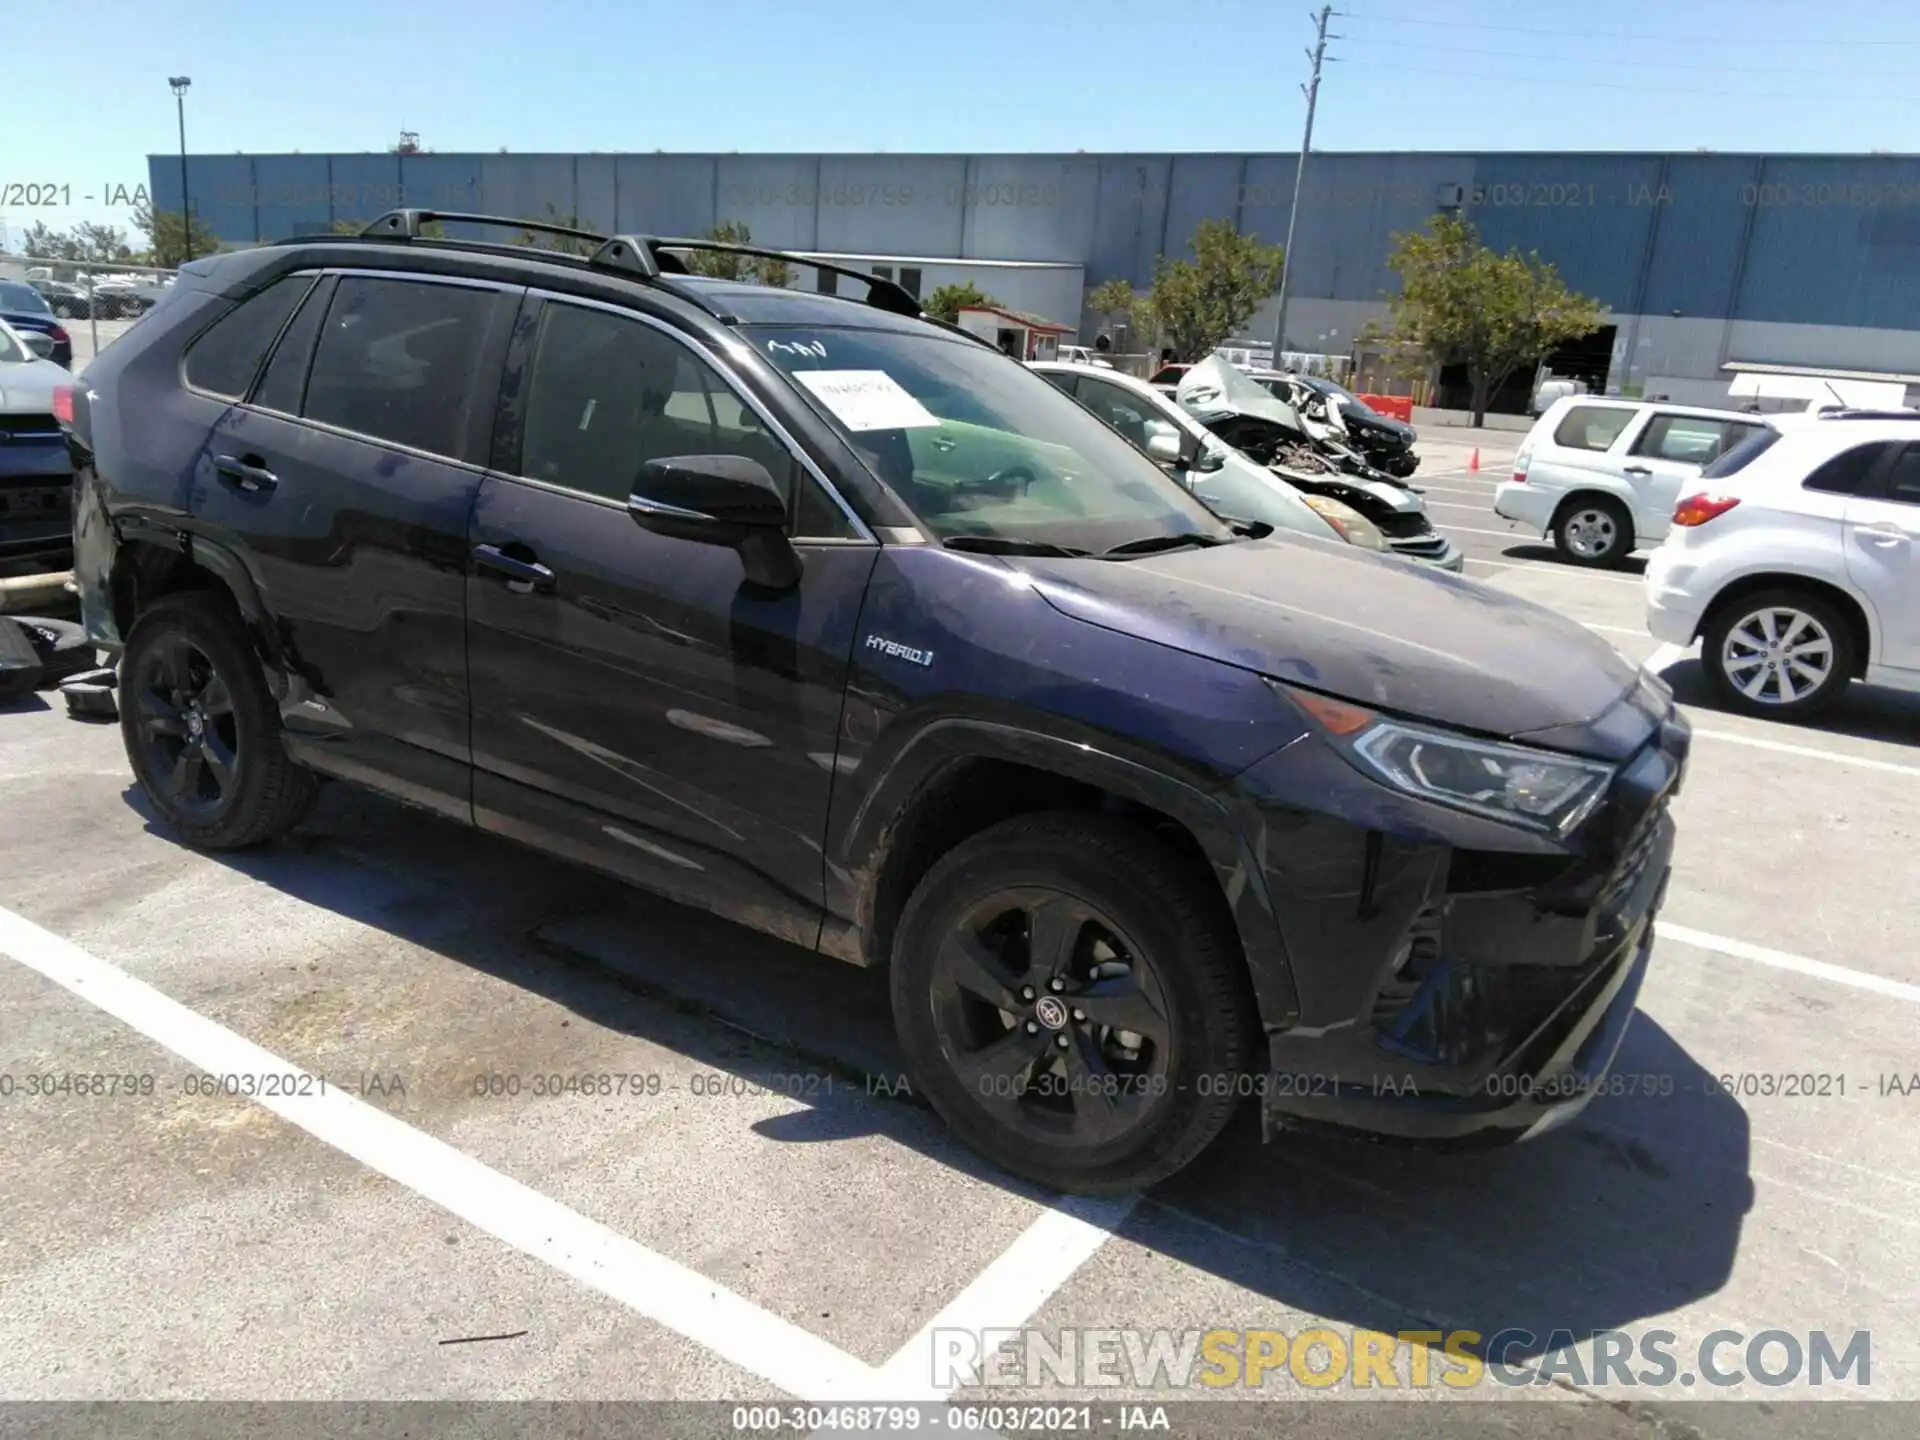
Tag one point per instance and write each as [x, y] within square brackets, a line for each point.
[1142, 772]
[106, 299]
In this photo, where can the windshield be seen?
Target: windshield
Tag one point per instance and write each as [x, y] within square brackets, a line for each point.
[978, 445]
[15, 296]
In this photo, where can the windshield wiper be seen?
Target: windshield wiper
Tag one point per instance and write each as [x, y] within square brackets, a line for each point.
[1163, 542]
[1010, 545]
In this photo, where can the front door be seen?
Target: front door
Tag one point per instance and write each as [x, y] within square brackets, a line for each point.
[1883, 554]
[636, 704]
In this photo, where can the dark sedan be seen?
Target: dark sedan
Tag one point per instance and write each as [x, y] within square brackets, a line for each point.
[24, 308]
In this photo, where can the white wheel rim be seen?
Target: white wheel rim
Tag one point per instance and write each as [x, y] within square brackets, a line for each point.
[1591, 534]
[1777, 655]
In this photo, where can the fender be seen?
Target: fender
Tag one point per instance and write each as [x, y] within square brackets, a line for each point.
[857, 854]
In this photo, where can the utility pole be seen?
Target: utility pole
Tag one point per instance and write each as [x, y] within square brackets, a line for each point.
[1312, 90]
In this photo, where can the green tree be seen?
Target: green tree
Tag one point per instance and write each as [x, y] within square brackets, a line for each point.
[722, 265]
[1461, 303]
[85, 242]
[946, 302]
[1200, 302]
[166, 236]
[1116, 297]
[565, 244]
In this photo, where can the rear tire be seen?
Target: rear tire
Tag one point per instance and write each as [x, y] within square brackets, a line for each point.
[1101, 1063]
[201, 729]
[1594, 530]
[1798, 670]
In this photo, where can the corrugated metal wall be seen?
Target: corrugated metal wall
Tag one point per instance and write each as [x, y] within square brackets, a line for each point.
[1831, 240]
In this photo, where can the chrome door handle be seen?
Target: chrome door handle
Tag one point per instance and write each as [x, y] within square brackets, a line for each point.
[942, 443]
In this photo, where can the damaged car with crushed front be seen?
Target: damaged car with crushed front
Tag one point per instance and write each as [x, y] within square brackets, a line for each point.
[828, 618]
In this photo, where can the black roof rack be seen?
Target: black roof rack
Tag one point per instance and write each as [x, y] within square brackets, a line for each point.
[645, 257]
[1841, 412]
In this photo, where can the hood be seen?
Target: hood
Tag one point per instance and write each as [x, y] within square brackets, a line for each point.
[26, 388]
[1213, 387]
[1403, 637]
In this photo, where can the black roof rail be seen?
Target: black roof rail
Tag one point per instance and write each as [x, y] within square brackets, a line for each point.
[406, 224]
[1840, 412]
[648, 257]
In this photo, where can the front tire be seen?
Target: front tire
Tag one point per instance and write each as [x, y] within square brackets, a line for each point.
[1073, 1002]
[201, 729]
[1780, 654]
[1594, 530]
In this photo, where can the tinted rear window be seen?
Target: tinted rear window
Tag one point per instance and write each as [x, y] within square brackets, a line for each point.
[1592, 427]
[225, 359]
[1743, 454]
[396, 361]
[15, 296]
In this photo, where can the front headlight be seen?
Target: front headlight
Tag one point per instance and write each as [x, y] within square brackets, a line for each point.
[1349, 523]
[1539, 789]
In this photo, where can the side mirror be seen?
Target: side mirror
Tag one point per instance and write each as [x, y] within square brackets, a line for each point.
[727, 500]
[39, 342]
[1209, 460]
[1164, 446]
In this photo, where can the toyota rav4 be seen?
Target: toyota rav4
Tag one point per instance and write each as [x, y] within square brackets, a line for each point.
[828, 618]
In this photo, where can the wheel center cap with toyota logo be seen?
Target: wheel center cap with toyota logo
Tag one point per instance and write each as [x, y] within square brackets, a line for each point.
[1051, 1012]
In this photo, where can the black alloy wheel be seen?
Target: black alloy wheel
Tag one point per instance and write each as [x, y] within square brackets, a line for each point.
[182, 713]
[1052, 1016]
[201, 728]
[1070, 994]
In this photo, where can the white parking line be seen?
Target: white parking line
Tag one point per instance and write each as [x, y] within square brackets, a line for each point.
[648, 1283]
[1009, 1292]
[1666, 655]
[1798, 964]
[1839, 757]
[1449, 505]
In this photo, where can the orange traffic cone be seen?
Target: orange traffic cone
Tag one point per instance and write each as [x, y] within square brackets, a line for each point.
[1473, 464]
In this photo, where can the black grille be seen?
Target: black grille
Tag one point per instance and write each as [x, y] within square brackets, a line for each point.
[1404, 525]
[29, 427]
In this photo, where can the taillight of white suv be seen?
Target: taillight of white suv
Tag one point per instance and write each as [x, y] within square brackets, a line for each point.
[1521, 461]
[1699, 509]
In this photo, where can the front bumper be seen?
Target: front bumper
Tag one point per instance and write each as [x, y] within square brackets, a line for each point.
[1435, 550]
[36, 505]
[1457, 980]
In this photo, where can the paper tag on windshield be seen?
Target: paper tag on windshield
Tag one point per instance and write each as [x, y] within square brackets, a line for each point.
[866, 399]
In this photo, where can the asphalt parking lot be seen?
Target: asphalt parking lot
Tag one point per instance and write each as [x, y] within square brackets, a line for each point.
[744, 1207]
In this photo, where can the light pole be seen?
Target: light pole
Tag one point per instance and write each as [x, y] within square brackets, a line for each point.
[180, 84]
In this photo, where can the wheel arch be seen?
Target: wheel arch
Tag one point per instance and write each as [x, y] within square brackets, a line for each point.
[957, 777]
[150, 562]
[1850, 605]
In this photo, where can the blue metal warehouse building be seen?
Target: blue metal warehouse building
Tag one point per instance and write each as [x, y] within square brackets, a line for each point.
[1708, 263]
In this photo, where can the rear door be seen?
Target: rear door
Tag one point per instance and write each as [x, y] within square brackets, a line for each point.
[345, 480]
[1667, 450]
[1883, 553]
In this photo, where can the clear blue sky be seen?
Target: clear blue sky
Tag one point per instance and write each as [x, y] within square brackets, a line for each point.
[906, 75]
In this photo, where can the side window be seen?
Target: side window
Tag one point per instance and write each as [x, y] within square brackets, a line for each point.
[1903, 480]
[609, 394]
[1119, 409]
[396, 361]
[1060, 379]
[224, 360]
[1688, 439]
[1747, 448]
[285, 382]
[910, 280]
[1847, 472]
[1592, 427]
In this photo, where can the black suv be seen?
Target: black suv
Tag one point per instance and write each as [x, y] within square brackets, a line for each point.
[831, 619]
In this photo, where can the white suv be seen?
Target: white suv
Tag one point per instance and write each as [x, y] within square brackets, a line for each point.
[1797, 562]
[1600, 476]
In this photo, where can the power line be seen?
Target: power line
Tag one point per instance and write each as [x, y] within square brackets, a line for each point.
[1504, 78]
[1721, 68]
[1563, 33]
